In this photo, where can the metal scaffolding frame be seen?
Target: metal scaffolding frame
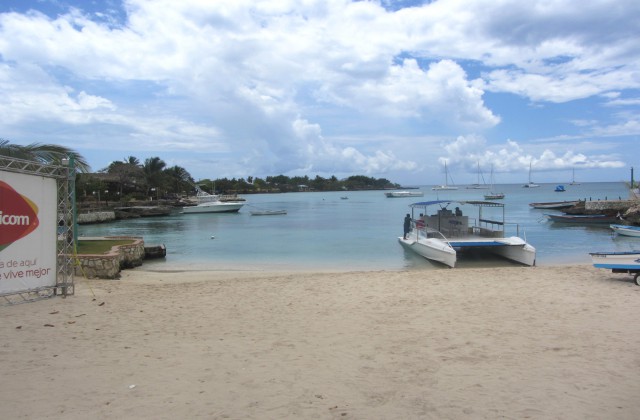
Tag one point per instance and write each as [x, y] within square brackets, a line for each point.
[64, 175]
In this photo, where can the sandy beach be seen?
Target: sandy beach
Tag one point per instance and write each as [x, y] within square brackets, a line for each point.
[554, 342]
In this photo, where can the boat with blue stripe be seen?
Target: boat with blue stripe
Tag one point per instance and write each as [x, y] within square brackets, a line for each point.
[443, 230]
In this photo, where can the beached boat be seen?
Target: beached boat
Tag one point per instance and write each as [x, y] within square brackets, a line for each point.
[443, 235]
[554, 205]
[530, 184]
[267, 212]
[626, 230]
[403, 194]
[445, 186]
[618, 262]
[582, 218]
[213, 203]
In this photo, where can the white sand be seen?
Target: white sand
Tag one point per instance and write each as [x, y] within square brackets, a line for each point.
[543, 343]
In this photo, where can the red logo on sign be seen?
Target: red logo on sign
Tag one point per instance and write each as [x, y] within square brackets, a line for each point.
[18, 215]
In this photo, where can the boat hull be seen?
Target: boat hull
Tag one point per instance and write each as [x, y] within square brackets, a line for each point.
[633, 231]
[629, 260]
[432, 249]
[403, 194]
[555, 205]
[214, 207]
[581, 219]
[446, 252]
[268, 212]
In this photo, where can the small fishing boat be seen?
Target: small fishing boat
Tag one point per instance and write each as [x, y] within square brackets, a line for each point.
[555, 205]
[267, 212]
[626, 230]
[403, 194]
[618, 262]
[582, 218]
[444, 235]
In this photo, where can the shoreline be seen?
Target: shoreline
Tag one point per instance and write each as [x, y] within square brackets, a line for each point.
[541, 342]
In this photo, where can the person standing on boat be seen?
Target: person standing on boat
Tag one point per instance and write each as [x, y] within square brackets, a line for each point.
[407, 225]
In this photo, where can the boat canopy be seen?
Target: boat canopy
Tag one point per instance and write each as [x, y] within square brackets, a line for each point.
[474, 203]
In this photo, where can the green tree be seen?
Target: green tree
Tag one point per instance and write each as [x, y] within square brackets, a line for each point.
[43, 153]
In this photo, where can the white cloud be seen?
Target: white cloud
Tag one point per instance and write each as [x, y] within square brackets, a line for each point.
[243, 79]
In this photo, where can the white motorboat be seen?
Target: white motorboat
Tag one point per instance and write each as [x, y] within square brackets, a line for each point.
[441, 235]
[403, 194]
[618, 262]
[212, 203]
[626, 230]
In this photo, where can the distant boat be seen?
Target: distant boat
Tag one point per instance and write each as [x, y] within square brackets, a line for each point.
[582, 218]
[556, 205]
[344, 198]
[213, 203]
[403, 194]
[493, 195]
[530, 184]
[626, 230]
[446, 178]
[573, 177]
[559, 188]
[267, 212]
[478, 185]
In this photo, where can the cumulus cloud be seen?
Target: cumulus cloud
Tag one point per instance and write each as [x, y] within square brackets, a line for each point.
[257, 84]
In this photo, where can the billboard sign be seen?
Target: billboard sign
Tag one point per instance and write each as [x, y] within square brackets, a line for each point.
[28, 213]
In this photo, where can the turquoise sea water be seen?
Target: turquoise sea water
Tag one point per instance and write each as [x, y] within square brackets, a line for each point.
[323, 231]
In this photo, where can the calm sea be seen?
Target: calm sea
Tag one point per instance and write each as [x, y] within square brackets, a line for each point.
[322, 230]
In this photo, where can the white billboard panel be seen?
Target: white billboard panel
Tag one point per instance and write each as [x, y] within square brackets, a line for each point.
[28, 213]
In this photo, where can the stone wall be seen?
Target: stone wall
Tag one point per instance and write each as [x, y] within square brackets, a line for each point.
[96, 217]
[108, 265]
[617, 205]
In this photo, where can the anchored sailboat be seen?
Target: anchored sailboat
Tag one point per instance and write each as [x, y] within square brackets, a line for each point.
[530, 184]
[445, 186]
[492, 195]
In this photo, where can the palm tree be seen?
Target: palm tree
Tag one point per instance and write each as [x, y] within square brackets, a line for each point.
[43, 153]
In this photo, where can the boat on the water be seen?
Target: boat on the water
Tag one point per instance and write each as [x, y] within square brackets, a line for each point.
[403, 194]
[530, 184]
[478, 185]
[267, 212]
[560, 188]
[445, 186]
[626, 230]
[213, 203]
[555, 205]
[618, 262]
[444, 234]
[493, 195]
[582, 218]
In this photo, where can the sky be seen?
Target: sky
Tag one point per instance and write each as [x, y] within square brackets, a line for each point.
[388, 89]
